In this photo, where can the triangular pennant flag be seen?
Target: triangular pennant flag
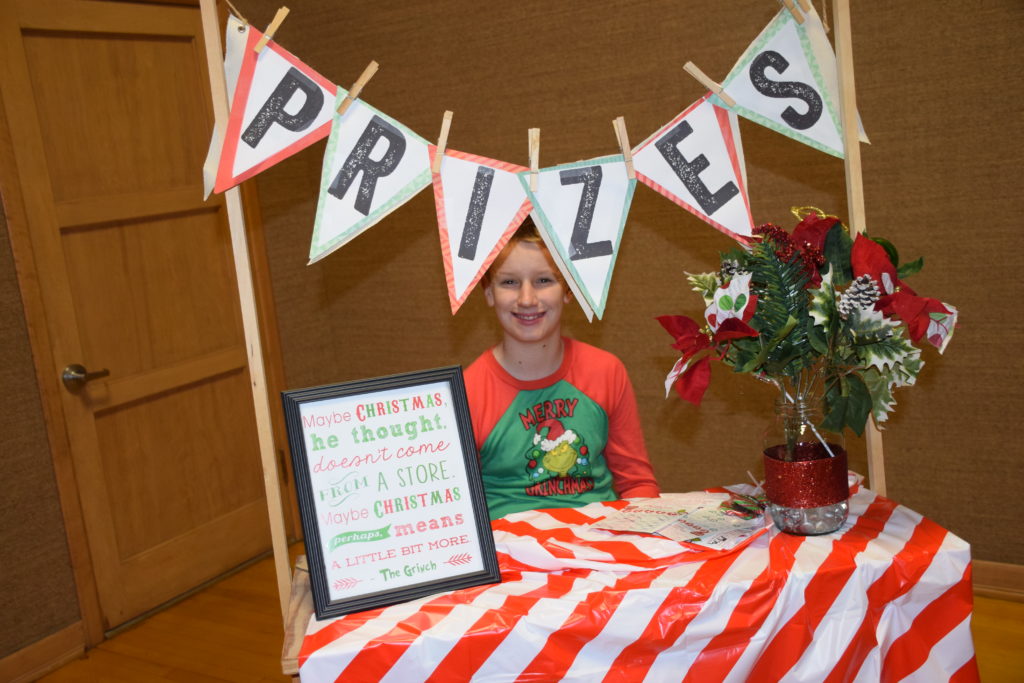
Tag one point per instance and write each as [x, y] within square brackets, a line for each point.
[777, 83]
[279, 107]
[480, 203]
[826, 59]
[234, 47]
[696, 160]
[580, 210]
[373, 165]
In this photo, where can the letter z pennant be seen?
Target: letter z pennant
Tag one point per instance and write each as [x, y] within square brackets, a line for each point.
[778, 83]
[373, 165]
[580, 210]
[480, 203]
[279, 107]
[696, 160]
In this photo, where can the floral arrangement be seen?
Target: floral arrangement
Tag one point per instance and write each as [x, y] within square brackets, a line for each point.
[816, 313]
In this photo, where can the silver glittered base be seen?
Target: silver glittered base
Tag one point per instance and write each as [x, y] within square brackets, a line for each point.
[809, 521]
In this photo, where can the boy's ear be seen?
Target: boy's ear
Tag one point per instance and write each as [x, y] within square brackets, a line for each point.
[489, 295]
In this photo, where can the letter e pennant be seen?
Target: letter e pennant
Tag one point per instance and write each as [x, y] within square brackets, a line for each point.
[480, 203]
[580, 210]
[279, 107]
[778, 83]
[696, 160]
[373, 165]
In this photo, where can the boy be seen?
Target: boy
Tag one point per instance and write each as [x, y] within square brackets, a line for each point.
[555, 419]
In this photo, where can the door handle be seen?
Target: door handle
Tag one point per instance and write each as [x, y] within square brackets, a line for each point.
[75, 376]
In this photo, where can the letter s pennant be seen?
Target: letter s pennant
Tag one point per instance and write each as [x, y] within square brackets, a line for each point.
[580, 210]
[480, 203]
[780, 82]
[696, 160]
[279, 106]
[373, 164]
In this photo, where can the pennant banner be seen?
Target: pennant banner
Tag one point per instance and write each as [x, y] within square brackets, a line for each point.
[279, 107]
[696, 160]
[234, 46]
[826, 59]
[480, 203]
[580, 210]
[778, 83]
[373, 165]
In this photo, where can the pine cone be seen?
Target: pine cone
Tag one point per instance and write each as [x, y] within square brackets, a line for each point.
[731, 268]
[860, 295]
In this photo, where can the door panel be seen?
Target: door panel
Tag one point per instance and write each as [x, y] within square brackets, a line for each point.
[108, 109]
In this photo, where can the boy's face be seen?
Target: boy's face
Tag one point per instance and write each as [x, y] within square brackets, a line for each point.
[527, 295]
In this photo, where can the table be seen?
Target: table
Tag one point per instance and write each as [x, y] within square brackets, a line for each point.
[887, 597]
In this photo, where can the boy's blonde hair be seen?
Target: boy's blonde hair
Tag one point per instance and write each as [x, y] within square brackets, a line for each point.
[527, 232]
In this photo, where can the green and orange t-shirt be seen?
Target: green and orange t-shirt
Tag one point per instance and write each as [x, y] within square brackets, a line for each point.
[565, 440]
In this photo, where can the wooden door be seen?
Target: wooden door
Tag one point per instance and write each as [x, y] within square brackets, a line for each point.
[108, 112]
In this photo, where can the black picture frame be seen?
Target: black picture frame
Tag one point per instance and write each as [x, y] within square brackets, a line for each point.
[389, 487]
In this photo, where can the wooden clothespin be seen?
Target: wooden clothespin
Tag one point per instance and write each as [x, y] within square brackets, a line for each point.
[442, 142]
[797, 14]
[271, 30]
[357, 87]
[805, 5]
[534, 157]
[619, 125]
[716, 88]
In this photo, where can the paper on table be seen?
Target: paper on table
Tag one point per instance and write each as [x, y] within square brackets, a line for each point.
[719, 521]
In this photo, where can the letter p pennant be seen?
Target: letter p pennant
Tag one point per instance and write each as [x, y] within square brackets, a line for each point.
[279, 107]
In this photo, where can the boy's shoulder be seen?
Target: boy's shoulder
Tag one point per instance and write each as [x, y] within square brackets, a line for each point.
[590, 354]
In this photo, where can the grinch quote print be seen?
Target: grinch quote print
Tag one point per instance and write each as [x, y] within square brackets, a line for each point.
[389, 494]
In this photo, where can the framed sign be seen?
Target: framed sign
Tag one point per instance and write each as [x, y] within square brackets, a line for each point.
[389, 487]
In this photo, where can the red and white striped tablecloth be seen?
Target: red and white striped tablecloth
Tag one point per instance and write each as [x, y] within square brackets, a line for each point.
[887, 597]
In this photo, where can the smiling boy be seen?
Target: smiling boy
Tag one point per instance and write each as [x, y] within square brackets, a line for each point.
[555, 419]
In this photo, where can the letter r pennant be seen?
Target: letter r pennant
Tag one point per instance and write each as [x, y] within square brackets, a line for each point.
[279, 106]
[373, 164]
[696, 160]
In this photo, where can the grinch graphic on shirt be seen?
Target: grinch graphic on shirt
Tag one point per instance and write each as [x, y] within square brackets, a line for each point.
[558, 462]
[547, 450]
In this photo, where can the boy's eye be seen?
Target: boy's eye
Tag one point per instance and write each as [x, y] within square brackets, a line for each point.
[508, 282]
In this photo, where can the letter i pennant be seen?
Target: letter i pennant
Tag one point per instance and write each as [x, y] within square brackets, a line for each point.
[580, 210]
[696, 160]
[373, 165]
[778, 83]
[480, 203]
[279, 106]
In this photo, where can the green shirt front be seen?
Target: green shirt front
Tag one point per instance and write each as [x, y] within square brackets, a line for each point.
[547, 451]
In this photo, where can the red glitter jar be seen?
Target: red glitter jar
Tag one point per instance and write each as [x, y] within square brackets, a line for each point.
[805, 469]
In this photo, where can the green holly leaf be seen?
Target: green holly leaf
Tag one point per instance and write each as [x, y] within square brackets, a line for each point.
[704, 284]
[837, 252]
[881, 382]
[848, 404]
[823, 301]
[879, 342]
[908, 269]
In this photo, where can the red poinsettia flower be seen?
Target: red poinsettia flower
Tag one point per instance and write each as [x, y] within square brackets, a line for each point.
[810, 232]
[807, 241]
[690, 378]
[898, 300]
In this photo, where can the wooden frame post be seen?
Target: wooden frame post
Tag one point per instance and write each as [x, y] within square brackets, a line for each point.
[854, 191]
[250, 320]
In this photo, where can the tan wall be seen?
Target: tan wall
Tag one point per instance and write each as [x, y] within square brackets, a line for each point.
[37, 589]
[939, 90]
